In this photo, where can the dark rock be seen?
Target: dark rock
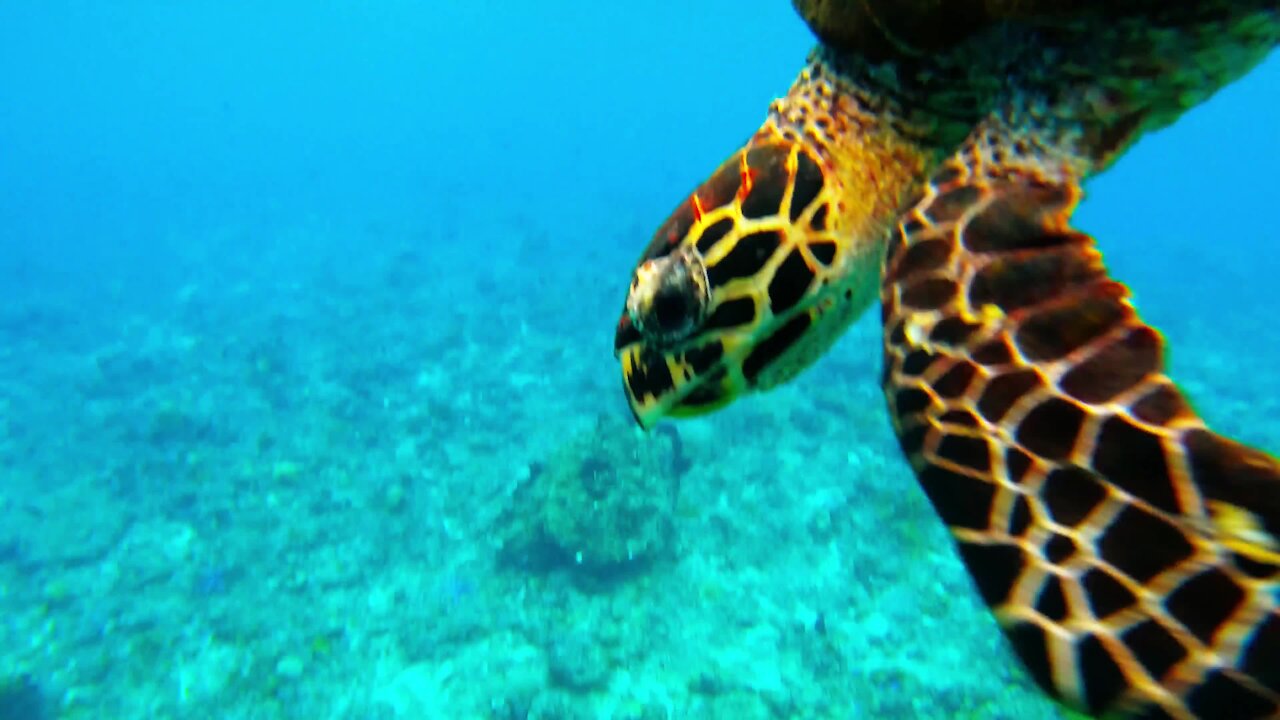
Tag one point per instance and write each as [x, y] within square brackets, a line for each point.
[22, 699]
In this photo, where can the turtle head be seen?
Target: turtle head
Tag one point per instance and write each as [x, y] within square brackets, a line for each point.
[745, 284]
[762, 267]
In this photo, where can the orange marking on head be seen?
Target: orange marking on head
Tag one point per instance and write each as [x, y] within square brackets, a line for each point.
[697, 208]
[745, 175]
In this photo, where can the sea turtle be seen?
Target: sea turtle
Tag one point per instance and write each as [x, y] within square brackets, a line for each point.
[1131, 555]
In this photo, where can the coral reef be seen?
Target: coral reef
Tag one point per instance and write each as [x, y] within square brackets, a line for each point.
[602, 503]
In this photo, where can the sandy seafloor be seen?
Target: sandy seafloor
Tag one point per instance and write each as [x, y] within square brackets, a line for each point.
[280, 484]
[267, 499]
[222, 511]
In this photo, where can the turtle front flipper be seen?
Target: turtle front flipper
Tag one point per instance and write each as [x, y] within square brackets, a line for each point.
[1131, 555]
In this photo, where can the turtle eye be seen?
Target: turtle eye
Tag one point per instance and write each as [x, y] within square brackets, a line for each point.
[669, 297]
[671, 309]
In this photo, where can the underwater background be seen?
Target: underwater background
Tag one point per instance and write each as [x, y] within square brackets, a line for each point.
[306, 374]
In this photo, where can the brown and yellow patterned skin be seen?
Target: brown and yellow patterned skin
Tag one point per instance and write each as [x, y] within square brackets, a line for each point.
[1131, 555]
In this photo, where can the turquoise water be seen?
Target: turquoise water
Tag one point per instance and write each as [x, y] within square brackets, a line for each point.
[306, 304]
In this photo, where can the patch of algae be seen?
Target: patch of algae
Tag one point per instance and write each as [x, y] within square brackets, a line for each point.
[602, 503]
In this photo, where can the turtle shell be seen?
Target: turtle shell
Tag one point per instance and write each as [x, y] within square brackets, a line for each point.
[887, 29]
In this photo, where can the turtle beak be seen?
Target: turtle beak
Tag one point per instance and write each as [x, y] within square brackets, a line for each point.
[675, 382]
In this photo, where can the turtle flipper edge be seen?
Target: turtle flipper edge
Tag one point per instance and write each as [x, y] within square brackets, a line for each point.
[1131, 555]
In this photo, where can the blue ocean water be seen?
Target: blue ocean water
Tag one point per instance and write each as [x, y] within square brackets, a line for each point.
[305, 305]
